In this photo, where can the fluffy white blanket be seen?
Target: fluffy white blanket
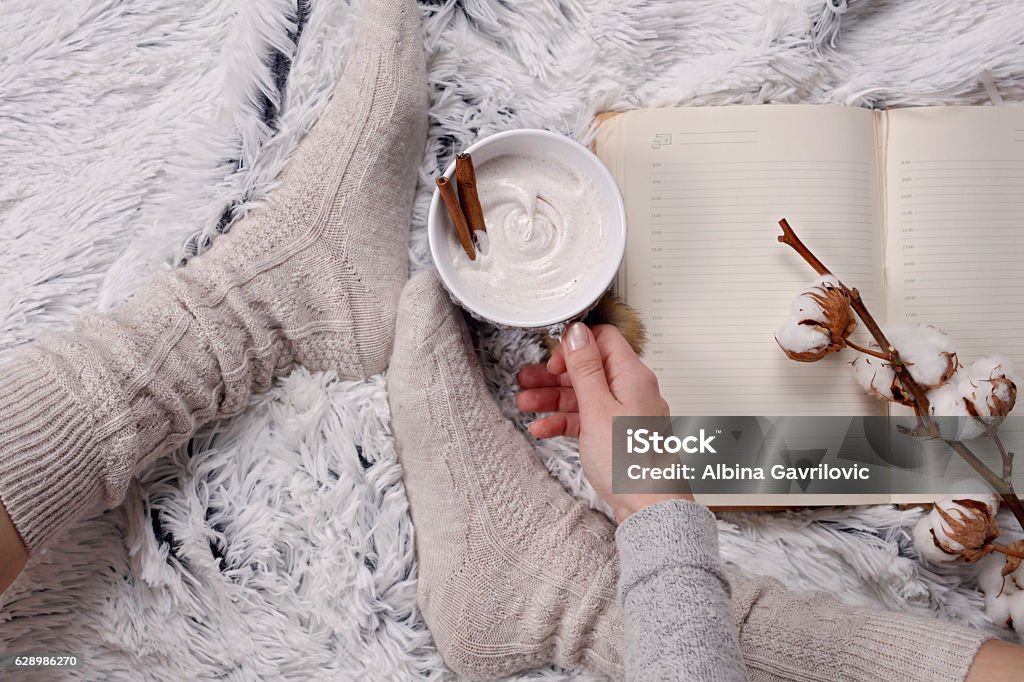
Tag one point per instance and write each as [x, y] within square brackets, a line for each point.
[279, 545]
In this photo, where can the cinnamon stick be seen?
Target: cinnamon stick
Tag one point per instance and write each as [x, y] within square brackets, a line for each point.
[451, 202]
[465, 175]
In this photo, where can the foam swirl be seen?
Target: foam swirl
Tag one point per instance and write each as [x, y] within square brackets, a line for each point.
[545, 234]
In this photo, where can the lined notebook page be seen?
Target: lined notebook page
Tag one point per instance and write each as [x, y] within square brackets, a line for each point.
[955, 225]
[955, 233]
[704, 189]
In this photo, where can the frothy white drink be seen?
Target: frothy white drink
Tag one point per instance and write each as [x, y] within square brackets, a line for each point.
[546, 234]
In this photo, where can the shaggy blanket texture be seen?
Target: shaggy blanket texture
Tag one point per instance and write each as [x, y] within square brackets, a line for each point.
[279, 545]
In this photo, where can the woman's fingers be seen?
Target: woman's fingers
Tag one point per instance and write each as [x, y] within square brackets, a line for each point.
[558, 424]
[547, 399]
[537, 376]
[556, 363]
[547, 392]
[587, 371]
[614, 348]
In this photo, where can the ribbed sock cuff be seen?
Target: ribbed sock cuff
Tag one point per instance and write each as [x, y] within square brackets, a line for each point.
[891, 646]
[50, 456]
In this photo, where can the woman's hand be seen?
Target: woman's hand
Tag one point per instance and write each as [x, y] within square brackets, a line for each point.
[593, 377]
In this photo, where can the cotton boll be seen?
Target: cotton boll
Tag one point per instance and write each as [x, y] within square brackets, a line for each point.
[807, 306]
[989, 387]
[1016, 620]
[990, 576]
[925, 544]
[947, 406]
[1004, 596]
[987, 498]
[820, 320]
[976, 489]
[983, 392]
[877, 377]
[1006, 610]
[932, 529]
[998, 609]
[802, 342]
[947, 401]
[1014, 581]
[928, 353]
[996, 588]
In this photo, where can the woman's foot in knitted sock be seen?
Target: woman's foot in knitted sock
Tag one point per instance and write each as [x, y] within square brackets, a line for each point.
[514, 572]
[327, 258]
[312, 279]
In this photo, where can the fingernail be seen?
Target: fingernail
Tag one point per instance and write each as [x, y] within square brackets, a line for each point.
[576, 336]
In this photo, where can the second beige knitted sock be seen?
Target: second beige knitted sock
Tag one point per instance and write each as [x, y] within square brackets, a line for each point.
[313, 279]
[515, 573]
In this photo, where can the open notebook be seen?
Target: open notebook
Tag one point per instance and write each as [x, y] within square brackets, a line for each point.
[921, 209]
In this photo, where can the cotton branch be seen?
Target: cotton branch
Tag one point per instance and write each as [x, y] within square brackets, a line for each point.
[1004, 488]
[889, 353]
[789, 237]
[1006, 456]
[868, 351]
[1000, 484]
[1006, 551]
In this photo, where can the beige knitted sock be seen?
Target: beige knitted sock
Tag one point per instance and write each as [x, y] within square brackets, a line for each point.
[514, 573]
[812, 636]
[313, 279]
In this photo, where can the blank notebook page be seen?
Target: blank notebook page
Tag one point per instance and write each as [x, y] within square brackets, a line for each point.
[704, 190]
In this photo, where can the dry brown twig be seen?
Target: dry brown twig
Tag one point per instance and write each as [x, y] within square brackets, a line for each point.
[927, 426]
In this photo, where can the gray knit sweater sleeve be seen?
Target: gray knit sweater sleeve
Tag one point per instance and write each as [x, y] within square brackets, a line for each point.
[675, 597]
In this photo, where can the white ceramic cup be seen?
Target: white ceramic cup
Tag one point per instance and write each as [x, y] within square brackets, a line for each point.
[583, 296]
